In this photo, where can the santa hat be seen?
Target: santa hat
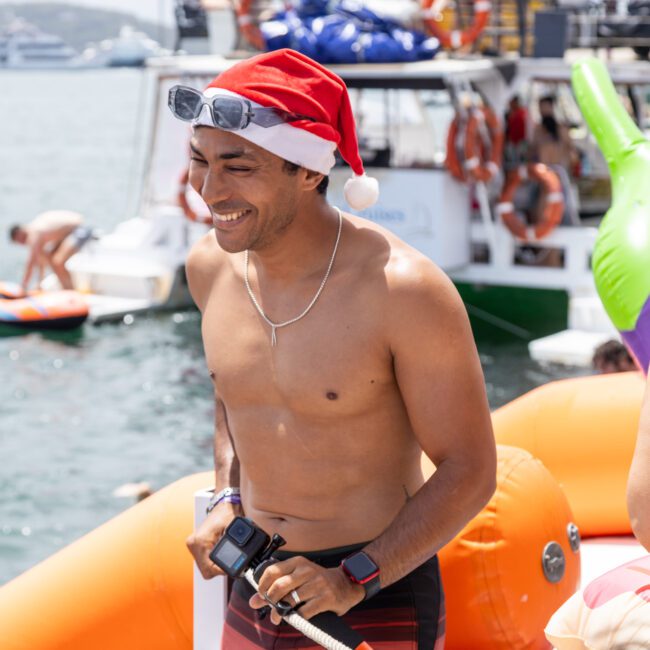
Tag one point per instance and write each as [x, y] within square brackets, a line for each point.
[293, 82]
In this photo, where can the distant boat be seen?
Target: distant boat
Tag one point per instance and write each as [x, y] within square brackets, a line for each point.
[23, 45]
[130, 49]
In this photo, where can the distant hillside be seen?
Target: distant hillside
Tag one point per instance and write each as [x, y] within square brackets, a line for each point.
[79, 26]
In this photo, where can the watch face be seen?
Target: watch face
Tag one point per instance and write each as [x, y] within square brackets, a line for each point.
[361, 567]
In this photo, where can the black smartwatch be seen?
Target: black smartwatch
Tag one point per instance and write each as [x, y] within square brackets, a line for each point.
[361, 569]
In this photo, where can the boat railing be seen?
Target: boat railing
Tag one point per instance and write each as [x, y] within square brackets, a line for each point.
[502, 264]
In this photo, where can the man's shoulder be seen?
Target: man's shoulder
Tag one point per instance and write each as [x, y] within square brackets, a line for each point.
[399, 265]
[204, 262]
[413, 290]
[205, 252]
[414, 281]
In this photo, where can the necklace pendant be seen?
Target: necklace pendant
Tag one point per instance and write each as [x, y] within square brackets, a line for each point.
[274, 339]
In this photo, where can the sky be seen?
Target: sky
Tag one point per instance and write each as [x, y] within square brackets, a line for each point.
[154, 10]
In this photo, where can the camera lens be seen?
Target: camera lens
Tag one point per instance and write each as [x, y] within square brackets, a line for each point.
[240, 531]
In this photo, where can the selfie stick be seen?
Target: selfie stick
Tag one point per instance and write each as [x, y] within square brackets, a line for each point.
[315, 633]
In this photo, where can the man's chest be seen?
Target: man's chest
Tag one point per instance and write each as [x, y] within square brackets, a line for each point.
[333, 360]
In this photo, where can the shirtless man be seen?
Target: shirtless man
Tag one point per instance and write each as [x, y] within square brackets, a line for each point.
[53, 238]
[323, 432]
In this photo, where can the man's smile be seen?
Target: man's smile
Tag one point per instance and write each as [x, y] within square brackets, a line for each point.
[224, 217]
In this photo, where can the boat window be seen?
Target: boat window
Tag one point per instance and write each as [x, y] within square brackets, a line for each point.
[402, 128]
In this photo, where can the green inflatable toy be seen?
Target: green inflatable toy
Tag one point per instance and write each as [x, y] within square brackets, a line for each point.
[621, 260]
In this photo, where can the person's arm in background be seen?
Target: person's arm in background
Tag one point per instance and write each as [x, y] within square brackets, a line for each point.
[35, 255]
[570, 153]
[533, 148]
[42, 263]
[638, 486]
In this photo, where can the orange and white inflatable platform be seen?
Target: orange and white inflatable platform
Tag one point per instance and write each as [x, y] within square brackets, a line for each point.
[564, 453]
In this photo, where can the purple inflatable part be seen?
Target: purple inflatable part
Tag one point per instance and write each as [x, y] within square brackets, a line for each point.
[638, 339]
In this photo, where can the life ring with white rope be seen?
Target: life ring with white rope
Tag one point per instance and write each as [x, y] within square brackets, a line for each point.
[475, 145]
[552, 210]
[247, 25]
[456, 38]
[184, 203]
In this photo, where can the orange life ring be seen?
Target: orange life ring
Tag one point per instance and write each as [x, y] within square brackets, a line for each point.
[455, 148]
[188, 211]
[247, 26]
[456, 38]
[475, 145]
[553, 201]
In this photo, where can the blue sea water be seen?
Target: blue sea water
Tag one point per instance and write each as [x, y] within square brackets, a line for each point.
[82, 414]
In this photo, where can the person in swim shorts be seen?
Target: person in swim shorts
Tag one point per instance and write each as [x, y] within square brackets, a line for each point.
[339, 355]
[53, 238]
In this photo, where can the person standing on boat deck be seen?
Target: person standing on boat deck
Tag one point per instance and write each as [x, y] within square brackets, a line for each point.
[53, 238]
[552, 146]
[338, 355]
[516, 135]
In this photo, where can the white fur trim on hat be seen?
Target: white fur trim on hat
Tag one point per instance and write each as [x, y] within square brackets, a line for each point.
[293, 144]
[361, 192]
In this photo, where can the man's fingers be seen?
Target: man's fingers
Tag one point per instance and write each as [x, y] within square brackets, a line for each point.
[305, 592]
[281, 588]
[256, 601]
[209, 570]
[277, 570]
[315, 606]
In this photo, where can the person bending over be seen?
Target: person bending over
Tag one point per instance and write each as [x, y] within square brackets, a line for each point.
[339, 355]
[53, 238]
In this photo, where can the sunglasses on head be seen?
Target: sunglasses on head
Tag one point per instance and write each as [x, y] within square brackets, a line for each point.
[228, 113]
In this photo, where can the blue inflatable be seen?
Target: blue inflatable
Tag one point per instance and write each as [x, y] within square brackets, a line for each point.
[345, 32]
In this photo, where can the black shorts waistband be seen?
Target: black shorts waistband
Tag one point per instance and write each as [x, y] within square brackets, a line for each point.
[329, 557]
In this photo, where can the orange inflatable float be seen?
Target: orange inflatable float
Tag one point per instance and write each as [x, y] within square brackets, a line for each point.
[513, 565]
[552, 210]
[584, 431]
[128, 584]
[52, 310]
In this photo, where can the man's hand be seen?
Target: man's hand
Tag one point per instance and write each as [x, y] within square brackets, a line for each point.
[203, 539]
[319, 589]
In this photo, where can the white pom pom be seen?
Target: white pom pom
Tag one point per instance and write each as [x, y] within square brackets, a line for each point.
[361, 192]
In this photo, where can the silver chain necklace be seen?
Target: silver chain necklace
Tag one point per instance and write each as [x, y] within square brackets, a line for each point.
[275, 326]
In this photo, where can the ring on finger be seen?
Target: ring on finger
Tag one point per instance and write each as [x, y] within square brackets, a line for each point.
[295, 596]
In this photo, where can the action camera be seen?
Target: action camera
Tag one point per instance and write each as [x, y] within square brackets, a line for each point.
[243, 545]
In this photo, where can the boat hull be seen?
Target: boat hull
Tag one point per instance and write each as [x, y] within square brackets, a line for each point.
[501, 313]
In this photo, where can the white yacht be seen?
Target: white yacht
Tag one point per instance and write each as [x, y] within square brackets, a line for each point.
[131, 48]
[23, 45]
